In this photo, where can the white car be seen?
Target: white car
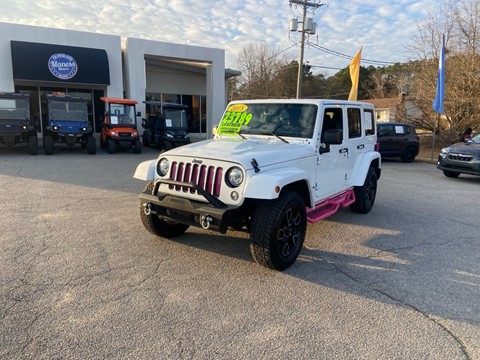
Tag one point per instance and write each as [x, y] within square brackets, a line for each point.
[273, 166]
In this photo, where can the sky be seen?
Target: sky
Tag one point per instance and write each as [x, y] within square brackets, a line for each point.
[382, 28]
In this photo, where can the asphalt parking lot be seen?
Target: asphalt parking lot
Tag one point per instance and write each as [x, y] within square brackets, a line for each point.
[82, 279]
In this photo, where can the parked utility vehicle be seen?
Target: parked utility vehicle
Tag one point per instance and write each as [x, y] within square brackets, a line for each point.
[120, 126]
[66, 123]
[16, 126]
[166, 125]
[273, 166]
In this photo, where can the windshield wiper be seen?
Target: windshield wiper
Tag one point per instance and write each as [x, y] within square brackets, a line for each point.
[253, 132]
[243, 137]
[278, 136]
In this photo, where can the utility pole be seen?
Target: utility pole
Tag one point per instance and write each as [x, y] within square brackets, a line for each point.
[305, 5]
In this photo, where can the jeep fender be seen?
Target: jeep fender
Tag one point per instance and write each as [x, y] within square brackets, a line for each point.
[263, 184]
[362, 165]
[146, 170]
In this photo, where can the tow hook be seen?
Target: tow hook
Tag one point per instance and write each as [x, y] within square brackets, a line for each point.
[147, 209]
[205, 221]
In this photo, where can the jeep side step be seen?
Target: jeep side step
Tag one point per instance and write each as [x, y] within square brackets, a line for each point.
[330, 206]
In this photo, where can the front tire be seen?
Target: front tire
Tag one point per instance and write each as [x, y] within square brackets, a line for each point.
[48, 145]
[111, 146]
[365, 194]
[451, 174]
[157, 226]
[91, 146]
[33, 145]
[278, 231]
[137, 147]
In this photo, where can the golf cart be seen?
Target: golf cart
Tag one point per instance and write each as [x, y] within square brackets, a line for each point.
[120, 125]
[16, 127]
[66, 122]
[166, 125]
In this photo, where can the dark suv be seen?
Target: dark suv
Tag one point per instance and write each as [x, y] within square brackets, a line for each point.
[461, 158]
[398, 140]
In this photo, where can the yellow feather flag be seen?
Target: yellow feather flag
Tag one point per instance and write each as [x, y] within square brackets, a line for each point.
[354, 75]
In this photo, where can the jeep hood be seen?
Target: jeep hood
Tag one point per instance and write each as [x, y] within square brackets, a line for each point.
[242, 151]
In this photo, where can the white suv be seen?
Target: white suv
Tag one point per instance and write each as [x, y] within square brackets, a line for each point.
[273, 166]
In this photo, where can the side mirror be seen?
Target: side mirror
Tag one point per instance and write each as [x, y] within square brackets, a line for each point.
[331, 137]
[139, 113]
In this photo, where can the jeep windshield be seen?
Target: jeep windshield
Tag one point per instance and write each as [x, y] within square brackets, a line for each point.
[14, 109]
[122, 114]
[175, 118]
[68, 110]
[278, 119]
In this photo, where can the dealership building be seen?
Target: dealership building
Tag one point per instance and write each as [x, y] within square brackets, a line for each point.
[38, 61]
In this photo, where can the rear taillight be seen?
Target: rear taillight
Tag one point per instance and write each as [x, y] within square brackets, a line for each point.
[377, 146]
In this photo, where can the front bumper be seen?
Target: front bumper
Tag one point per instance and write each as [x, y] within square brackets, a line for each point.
[214, 215]
[459, 165]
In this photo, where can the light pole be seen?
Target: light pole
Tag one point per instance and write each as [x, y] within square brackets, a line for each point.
[305, 5]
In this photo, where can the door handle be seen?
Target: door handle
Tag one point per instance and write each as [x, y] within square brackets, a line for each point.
[343, 150]
[361, 146]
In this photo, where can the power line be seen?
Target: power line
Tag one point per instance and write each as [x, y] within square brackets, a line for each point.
[345, 56]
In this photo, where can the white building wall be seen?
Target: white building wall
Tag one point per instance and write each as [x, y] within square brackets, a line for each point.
[110, 43]
[214, 60]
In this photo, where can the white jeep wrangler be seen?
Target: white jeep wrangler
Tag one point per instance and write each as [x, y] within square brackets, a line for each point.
[272, 166]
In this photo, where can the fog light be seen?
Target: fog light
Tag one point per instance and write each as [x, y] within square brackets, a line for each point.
[234, 195]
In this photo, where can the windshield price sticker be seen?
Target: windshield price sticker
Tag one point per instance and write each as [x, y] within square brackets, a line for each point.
[235, 117]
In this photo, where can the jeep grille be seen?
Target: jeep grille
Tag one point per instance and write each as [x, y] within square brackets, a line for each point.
[208, 178]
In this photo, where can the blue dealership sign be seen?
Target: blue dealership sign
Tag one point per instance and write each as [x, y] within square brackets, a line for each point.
[66, 64]
[62, 66]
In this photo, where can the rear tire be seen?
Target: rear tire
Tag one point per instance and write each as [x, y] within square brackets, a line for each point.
[365, 194]
[278, 230]
[159, 227]
[409, 154]
[48, 145]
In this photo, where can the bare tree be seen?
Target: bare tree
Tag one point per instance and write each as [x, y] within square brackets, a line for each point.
[260, 67]
[460, 22]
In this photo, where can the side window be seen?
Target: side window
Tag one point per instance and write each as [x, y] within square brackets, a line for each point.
[369, 122]
[332, 119]
[386, 130]
[354, 123]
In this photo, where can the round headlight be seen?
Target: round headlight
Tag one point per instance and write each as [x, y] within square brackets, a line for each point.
[162, 166]
[234, 176]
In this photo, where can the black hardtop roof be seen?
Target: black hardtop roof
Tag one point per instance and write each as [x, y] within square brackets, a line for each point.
[166, 104]
[394, 123]
[12, 95]
[65, 97]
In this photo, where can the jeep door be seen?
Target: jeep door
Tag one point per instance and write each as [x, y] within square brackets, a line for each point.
[356, 141]
[331, 164]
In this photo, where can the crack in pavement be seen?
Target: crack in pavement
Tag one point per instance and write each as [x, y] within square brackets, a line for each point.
[457, 340]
